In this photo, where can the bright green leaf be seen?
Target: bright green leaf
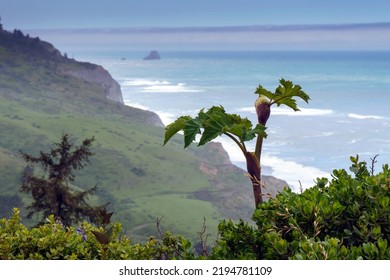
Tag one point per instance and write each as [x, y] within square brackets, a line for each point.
[214, 126]
[215, 110]
[284, 94]
[262, 91]
[258, 130]
[191, 129]
[382, 244]
[175, 127]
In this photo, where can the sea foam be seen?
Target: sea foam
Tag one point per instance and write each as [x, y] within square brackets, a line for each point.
[159, 86]
[365, 117]
[304, 112]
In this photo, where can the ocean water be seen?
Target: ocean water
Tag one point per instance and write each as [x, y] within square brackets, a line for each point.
[348, 114]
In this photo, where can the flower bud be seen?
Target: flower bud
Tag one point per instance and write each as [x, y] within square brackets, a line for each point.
[263, 110]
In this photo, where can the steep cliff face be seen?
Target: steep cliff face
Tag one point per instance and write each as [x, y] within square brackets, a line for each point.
[32, 68]
[154, 119]
[39, 65]
[98, 75]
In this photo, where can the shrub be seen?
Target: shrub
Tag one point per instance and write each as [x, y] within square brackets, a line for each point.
[345, 218]
[54, 241]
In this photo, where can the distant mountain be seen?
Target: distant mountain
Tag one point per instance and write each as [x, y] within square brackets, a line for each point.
[43, 93]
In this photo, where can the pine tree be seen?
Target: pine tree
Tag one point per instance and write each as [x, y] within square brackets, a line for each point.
[50, 189]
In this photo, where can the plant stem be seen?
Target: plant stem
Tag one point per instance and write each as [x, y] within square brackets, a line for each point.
[252, 166]
[256, 170]
[239, 144]
[259, 147]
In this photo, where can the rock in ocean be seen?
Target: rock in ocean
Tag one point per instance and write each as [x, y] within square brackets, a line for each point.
[153, 55]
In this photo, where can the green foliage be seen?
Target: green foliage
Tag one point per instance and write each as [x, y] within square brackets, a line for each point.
[214, 123]
[346, 218]
[284, 94]
[52, 241]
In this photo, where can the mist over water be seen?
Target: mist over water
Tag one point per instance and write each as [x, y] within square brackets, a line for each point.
[348, 113]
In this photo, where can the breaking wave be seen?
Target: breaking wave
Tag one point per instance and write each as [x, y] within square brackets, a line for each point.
[365, 117]
[145, 85]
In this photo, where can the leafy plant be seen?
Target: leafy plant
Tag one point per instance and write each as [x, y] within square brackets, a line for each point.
[52, 240]
[216, 122]
[345, 218]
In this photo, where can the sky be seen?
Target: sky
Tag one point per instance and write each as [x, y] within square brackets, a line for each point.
[145, 21]
[39, 14]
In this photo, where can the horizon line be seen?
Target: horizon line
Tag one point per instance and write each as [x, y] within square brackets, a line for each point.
[228, 28]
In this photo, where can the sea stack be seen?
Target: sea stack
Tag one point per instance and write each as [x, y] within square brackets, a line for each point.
[153, 55]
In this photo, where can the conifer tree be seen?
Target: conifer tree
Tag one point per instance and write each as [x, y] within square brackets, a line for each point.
[50, 189]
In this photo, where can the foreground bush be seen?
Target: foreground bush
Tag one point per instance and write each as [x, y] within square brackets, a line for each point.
[53, 241]
[346, 218]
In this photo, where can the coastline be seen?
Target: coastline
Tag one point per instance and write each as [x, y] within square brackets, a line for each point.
[295, 174]
[347, 114]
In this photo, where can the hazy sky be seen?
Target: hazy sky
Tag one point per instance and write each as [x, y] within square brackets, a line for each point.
[34, 15]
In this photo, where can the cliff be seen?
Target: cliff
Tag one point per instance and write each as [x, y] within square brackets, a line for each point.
[45, 68]
[32, 69]
[98, 75]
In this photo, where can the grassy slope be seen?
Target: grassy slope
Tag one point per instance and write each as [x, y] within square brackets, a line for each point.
[141, 179]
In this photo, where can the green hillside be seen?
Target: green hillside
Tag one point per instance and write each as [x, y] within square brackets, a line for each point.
[40, 99]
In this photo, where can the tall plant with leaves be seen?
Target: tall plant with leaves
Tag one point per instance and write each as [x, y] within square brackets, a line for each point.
[50, 186]
[216, 122]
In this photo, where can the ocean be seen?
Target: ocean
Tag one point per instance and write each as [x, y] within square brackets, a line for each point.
[348, 113]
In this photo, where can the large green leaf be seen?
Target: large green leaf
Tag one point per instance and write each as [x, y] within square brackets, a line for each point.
[258, 130]
[263, 92]
[239, 130]
[243, 130]
[191, 129]
[213, 123]
[284, 94]
[214, 126]
[175, 127]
